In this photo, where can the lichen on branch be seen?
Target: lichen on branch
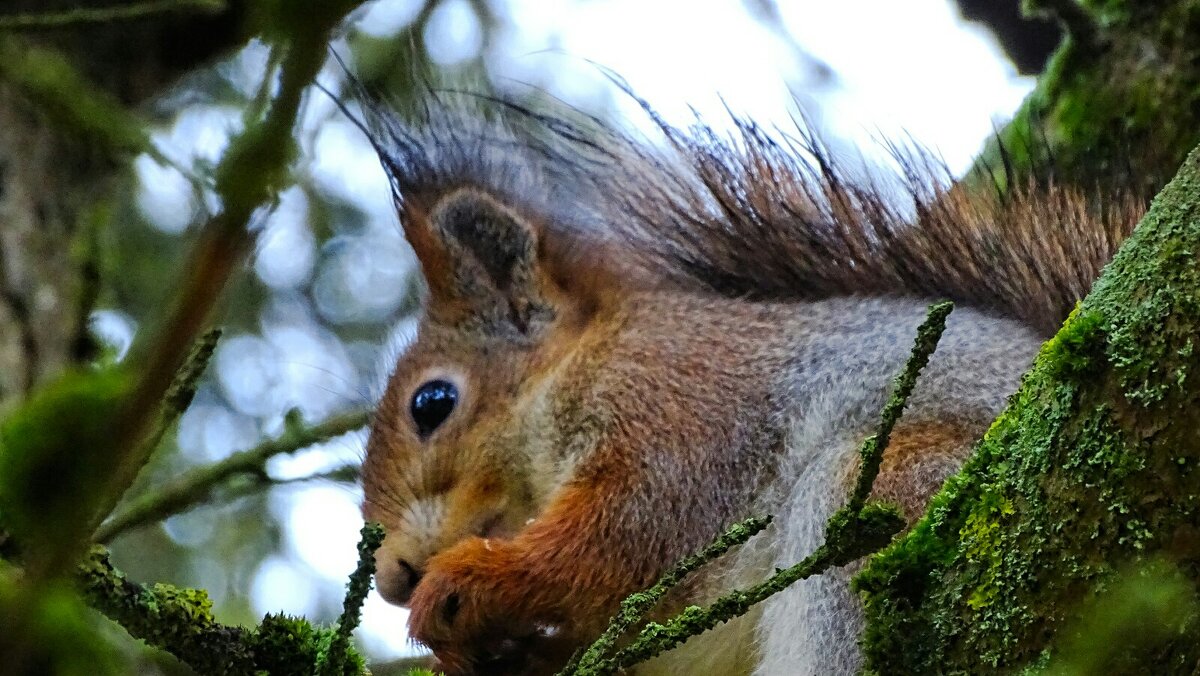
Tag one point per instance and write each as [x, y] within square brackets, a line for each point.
[180, 621]
[1091, 468]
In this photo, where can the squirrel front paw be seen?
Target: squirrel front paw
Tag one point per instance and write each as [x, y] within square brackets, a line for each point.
[481, 611]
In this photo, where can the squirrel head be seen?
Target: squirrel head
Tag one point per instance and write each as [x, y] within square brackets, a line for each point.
[467, 418]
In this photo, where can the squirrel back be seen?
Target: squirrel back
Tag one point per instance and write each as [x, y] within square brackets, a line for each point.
[627, 344]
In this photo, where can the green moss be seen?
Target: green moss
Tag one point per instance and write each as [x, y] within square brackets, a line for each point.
[1078, 347]
[1080, 476]
[289, 645]
[1121, 107]
[980, 538]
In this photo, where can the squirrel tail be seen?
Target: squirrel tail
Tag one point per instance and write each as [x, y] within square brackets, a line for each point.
[793, 223]
[762, 215]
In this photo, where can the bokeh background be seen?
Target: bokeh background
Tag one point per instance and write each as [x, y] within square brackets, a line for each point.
[332, 289]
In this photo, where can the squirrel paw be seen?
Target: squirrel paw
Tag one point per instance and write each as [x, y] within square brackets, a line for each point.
[472, 609]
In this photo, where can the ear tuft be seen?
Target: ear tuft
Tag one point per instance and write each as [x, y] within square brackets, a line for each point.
[501, 242]
[494, 255]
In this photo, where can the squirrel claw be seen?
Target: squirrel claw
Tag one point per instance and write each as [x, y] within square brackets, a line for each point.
[463, 610]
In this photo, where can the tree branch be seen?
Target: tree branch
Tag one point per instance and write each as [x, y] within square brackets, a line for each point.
[356, 592]
[252, 171]
[197, 485]
[1091, 467]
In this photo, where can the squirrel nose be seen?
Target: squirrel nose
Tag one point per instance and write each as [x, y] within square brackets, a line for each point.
[414, 575]
[396, 580]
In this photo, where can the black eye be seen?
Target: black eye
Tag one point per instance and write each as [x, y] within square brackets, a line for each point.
[432, 404]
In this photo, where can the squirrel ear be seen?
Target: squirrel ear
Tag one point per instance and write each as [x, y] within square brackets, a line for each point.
[487, 264]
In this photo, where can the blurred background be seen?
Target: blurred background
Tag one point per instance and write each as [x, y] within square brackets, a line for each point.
[332, 289]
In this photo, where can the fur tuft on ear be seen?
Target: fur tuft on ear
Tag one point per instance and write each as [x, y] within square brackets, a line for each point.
[493, 269]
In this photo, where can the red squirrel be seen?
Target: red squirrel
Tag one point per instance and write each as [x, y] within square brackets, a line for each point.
[626, 346]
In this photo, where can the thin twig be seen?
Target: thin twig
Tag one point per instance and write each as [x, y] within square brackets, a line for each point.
[356, 592]
[198, 484]
[871, 530]
[183, 389]
[928, 335]
[635, 606]
[88, 15]
[252, 170]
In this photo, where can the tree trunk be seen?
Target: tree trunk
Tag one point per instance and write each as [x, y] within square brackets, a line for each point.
[1118, 104]
[53, 169]
[1092, 474]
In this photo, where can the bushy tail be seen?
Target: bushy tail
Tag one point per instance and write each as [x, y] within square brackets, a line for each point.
[763, 214]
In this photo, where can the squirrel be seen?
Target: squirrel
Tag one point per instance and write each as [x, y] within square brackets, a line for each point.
[628, 345]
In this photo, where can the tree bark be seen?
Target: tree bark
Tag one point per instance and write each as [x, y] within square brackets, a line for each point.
[1092, 474]
[1119, 102]
[53, 170]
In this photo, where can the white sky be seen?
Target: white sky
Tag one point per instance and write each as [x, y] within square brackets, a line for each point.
[903, 68]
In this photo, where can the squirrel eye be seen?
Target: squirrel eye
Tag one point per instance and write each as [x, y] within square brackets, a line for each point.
[432, 404]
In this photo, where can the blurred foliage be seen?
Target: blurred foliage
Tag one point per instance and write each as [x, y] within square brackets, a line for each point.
[1129, 624]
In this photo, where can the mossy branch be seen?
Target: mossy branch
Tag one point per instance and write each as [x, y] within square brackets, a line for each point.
[183, 388]
[86, 15]
[635, 607]
[197, 485]
[854, 531]
[356, 592]
[180, 622]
